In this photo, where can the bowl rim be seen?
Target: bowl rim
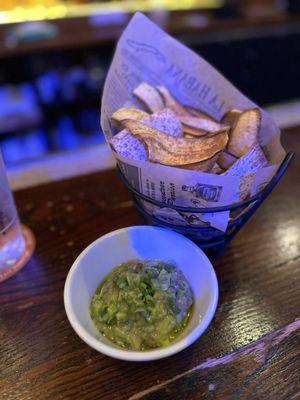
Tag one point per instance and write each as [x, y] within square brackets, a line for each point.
[149, 355]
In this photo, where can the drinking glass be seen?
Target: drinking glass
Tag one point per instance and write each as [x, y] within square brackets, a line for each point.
[12, 243]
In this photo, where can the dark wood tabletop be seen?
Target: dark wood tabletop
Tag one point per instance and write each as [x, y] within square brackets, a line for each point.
[250, 350]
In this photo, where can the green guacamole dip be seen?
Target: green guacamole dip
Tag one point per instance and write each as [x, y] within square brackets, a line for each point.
[142, 305]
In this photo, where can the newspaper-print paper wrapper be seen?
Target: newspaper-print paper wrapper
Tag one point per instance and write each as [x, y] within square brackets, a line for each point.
[145, 53]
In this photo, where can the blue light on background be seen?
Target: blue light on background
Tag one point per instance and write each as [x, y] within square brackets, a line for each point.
[56, 110]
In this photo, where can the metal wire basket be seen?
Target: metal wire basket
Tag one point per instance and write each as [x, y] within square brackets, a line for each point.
[217, 240]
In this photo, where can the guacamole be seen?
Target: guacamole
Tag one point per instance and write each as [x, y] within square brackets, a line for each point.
[142, 304]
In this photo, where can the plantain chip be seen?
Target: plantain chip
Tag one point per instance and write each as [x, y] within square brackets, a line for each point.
[200, 123]
[128, 113]
[171, 102]
[196, 125]
[194, 122]
[126, 145]
[188, 130]
[203, 166]
[149, 96]
[169, 150]
[244, 132]
[231, 116]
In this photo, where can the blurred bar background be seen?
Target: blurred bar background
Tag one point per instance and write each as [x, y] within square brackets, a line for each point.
[54, 56]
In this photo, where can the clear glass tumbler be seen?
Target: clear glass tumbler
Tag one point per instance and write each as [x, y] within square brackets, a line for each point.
[12, 244]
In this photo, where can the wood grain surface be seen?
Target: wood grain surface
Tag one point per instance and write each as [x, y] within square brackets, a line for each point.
[250, 350]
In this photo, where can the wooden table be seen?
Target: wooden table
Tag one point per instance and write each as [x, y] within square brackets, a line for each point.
[250, 351]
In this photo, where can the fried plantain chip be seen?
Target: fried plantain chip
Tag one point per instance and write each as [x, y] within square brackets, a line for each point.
[200, 123]
[195, 125]
[170, 150]
[171, 102]
[215, 133]
[193, 131]
[125, 144]
[203, 166]
[231, 116]
[189, 116]
[244, 132]
[226, 159]
[128, 113]
[149, 96]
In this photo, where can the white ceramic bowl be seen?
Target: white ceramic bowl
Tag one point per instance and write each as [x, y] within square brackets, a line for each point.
[144, 242]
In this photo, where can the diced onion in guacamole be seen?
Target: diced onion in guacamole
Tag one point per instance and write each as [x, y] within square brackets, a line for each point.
[142, 305]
